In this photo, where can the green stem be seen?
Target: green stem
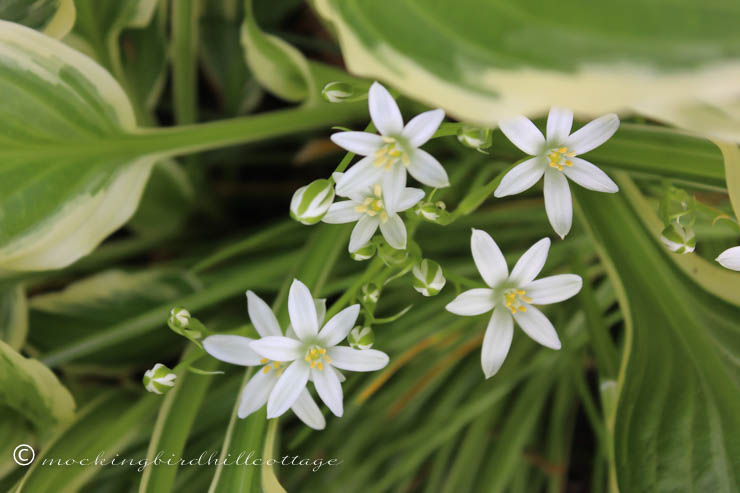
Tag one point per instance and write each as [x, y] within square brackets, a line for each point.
[185, 44]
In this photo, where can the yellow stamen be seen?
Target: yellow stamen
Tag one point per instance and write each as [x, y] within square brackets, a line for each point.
[376, 190]
[267, 369]
[264, 360]
[320, 365]
[276, 364]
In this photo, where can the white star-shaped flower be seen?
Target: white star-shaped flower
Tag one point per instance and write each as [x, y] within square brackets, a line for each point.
[374, 207]
[511, 297]
[313, 354]
[555, 158]
[235, 350]
[730, 258]
[396, 150]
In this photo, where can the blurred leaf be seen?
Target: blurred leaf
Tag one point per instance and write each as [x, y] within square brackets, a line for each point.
[31, 389]
[731, 156]
[166, 201]
[678, 412]
[52, 17]
[483, 61]
[87, 306]
[14, 430]
[103, 428]
[13, 315]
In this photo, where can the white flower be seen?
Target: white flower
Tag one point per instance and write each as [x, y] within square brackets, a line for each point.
[235, 350]
[555, 158]
[159, 379]
[374, 208]
[393, 152]
[511, 297]
[730, 258]
[313, 354]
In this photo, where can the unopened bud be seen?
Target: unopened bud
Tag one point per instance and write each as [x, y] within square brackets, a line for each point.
[179, 319]
[678, 238]
[428, 277]
[343, 92]
[159, 379]
[364, 253]
[311, 202]
[370, 294]
[475, 137]
[361, 338]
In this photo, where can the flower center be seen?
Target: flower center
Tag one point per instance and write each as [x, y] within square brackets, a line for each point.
[390, 153]
[373, 205]
[559, 158]
[514, 300]
[316, 357]
[278, 366]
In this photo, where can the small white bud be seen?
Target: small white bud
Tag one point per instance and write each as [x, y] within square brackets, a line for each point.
[364, 253]
[428, 277]
[678, 239]
[311, 202]
[159, 379]
[179, 319]
[343, 92]
[370, 294]
[475, 137]
[361, 338]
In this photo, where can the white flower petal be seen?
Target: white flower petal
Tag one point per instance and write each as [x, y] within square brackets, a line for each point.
[342, 212]
[307, 411]
[320, 309]
[488, 258]
[530, 263]
[338, 326]
[589, 176]
[278, 348]
[302, 311]
[232, 349]
[287, 389]
[472, 302]
[261, 315]
[496, 341]
[521, 177]
[255, 393]
[362, 232]
[393, 185]
[593, 134]
[559, 122]
[730, 258]
[553, 289]
[536, 325]
[421, 127]
[346, 358]
[329, 389]
[523, 134]
[409, 198]
[426, 169]
[360, 177]
[558, 202]
[384, 111]
[362, 143]
[394, 232]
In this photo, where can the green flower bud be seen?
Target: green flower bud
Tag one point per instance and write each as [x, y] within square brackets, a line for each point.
[370, 294]
[677, 205]
[679, 239]
[361, 338]
[364, 253]
[159, 379]
[392, 257]
[432, 212]
[475, 137]
[179, 319]
[311, 202]
[343, 92]
[428, 277]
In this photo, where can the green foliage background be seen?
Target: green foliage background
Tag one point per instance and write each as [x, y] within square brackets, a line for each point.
[148, 153]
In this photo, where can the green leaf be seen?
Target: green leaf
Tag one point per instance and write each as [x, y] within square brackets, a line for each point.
[31, 389]
[52, 214]
[87, 306]
[14, 430]
[482, 60]
[105, 426]
[52, 17]
[678, 412]
[13, 315]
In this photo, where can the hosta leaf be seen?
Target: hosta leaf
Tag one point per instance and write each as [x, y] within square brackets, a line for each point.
[53, 17]
[89, 306]
[60, 194]
[483, 60]
[678, 414]
[30, 388]
[13, 315]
